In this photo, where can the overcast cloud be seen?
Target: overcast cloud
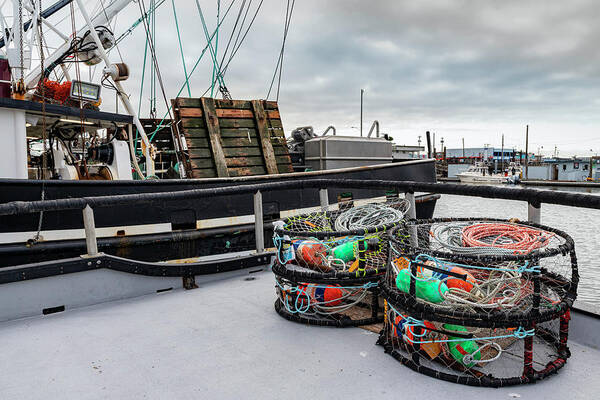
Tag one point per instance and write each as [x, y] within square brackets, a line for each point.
[472, 69]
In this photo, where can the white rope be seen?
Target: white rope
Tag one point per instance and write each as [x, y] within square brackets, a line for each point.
[370, 215]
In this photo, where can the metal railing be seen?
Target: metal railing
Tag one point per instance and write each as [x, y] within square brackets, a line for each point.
[329, 128]
[534, 198]
[374, 126]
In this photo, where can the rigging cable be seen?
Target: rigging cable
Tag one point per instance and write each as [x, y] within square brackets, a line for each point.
[279, 65]
[216, 47]
[150, 40]
[36, 238]
[213, 55]
[181, 49]
[234, 52]
[160, 125]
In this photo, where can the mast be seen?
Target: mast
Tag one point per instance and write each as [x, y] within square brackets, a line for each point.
[147, 148]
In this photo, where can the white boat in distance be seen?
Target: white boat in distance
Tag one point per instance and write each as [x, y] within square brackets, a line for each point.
[479, 173]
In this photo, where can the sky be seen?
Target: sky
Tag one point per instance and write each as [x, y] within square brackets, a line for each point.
[462, 69]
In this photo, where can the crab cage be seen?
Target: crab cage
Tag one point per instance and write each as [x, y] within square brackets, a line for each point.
[482, 302]
[329, 264]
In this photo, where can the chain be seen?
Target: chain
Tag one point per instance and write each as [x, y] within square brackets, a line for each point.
[21, 37]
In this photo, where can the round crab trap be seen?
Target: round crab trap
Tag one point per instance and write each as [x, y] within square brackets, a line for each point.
[479, 301]
[329, 263]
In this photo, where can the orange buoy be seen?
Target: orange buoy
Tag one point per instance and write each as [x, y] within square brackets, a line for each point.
[312, 253]
[328, 296]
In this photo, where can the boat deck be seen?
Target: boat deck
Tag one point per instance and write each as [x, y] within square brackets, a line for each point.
[225, 341]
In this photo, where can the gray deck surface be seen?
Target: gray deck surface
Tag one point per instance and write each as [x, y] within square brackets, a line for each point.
[225, 341]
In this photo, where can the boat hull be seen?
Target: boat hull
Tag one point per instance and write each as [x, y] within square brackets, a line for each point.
[481, 179]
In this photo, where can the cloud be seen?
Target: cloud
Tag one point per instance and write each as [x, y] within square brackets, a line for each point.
[472, 69]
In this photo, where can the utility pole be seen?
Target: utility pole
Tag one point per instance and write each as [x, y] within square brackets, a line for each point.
[463, 142]
[434, 150]
[502, 156]
[419, 151]
[362, 91]
[428, 137]
[443, 149]
[527, 152]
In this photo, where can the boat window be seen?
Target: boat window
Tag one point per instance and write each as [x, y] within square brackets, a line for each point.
[564, 167]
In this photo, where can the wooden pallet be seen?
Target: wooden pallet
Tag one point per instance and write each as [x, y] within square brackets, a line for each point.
[231, 137]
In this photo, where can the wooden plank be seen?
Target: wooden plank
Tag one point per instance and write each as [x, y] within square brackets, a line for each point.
[264, 136]
[242, 151]
[243, 104]
[280, 151]
[202, 163]
[190, 112]
[212, 124]
[234, 113]
[196, 133]
[273, 114]
[246, 171]
[237, 104]
[193, 123]
[204, 173]
[197, 142]
[240, 142]
[225, 113]
[283, 159]
[239, 133]
[283, 168]
[275, 123]
[245, 161]
[188, 102]
[198, 152]
[238, 123]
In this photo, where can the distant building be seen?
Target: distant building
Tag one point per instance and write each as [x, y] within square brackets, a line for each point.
[564, 169]
[489, 154]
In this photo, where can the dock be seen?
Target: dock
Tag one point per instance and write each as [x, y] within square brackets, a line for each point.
[532, 182]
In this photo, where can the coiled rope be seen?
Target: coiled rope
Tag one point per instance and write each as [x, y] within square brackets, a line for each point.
[370, 215]
[490, 238]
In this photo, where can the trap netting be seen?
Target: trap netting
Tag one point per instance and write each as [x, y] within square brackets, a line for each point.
[329, 263]
[482, 354]
[493, 279]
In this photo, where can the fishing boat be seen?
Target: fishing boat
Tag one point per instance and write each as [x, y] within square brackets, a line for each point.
[60, 143]
[480, 173]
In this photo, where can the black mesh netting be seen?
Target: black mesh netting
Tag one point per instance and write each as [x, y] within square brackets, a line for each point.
[329, 263]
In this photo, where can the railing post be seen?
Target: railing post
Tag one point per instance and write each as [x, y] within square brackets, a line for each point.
[90, 231]
[412, 214]
[412, 210]
[259, 232]
[534, 212]
[324, 199]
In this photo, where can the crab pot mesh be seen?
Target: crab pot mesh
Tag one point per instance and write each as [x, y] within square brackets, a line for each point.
[474, 355]
[328, 264]
[496, 293]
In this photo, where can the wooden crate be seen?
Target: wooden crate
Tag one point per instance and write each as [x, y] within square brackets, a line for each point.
[231, 137]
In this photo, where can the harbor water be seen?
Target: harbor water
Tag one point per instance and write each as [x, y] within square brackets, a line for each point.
[580, 223]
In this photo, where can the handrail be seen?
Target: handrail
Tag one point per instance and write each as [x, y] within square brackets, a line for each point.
[533, 196]
[375, 125]
[329, 128]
